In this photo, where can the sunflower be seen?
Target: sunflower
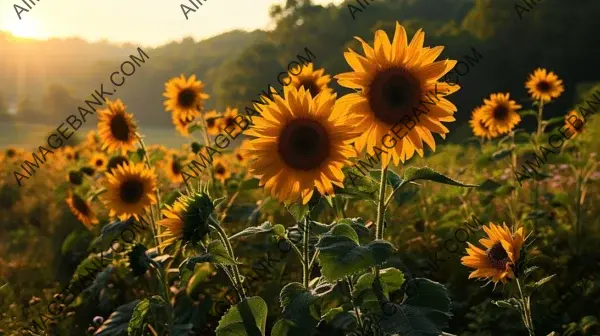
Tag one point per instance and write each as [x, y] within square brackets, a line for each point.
[173, 168]
[82, 209]
[13, 154]
[212, 122]
[116, 127]
[241, 153]
[499, 260]
[130, 189]
[228, 118]
[303, 142]
[98, 161]
[314, 81]
[500, 113]
[68, 153]
[92, 140]
[393, 80]
[116, 161]
[187, 219]
[182, 123]
[478, 125]
[185, 97]
[572, 128]
[221, 169]
[543, 85]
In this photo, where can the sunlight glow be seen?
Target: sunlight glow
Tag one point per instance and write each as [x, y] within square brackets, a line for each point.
[22, 29]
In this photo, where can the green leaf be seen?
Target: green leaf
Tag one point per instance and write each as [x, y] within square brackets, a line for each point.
[249, 184]
[543, 281]
[300, 313]
[263, 228]
[511, 303]
[216, 253]
[137, 324]
[530, 269]
[340, 254]
[358, 186]
[194, 127]
[247, 318]
[426, 173]
[554, 120]
[524, 113]
[424, 312]
[501, 154]
[298, 211]
[196, 282]
[118, 322]
[392, 280]
[489, 185]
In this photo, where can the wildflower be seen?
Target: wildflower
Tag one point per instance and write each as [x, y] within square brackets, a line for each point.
[117, 128]
[184, 97]
[544, 85]
[500, 113]
[82, 209]
[130, 189]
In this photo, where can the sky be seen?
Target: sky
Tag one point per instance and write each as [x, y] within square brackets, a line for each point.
[142, 22]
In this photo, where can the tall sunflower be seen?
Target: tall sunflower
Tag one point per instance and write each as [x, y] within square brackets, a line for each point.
[98, 161]
[500, 113]
[302, 143]
[314, 81]
[181, 123]
[502, 252]
[221, 169]
[187, 219]
[130, 189]
[572, 128]
[544, 85]
[116, 127]
[184, 96]
[212, 122]
[478, 125]
[393, 78]
[82, 209]
[228, 118]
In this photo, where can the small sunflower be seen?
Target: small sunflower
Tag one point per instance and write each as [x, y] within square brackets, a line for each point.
[302, 143]
[392, 80]
[82, 209]
[182, 123]
[221, 169]
[98, 161]
[500, 113]
[228, 118]
[13, 154]
[502, 252]
[241, 153]
[117, 127]
[187, 219]
[212, 122]
[314, 81]
[130, 189]
[173, 168]
[184, 97]
[478, 125]
[68, 153]
[569, 126]
[544, 85]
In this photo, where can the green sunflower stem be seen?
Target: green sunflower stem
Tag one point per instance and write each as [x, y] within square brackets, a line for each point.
[527, 320]
[236, 271]
[305, 247]
[381, 208]
[358, 316]
[206, 141]
[165, 292]
[155, 228]
[539, 121]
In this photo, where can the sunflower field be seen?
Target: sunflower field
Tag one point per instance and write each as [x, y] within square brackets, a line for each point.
[332, 205]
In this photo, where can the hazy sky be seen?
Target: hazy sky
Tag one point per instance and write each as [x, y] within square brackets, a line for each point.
[144, 22]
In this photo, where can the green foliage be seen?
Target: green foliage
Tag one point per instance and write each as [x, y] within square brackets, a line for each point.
[247, 318]
[117, 323]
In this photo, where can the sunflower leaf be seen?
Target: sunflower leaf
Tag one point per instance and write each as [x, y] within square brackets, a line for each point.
[489, 185]
[298, 211]
[216, 253]
[194, 127]
[528, 113]
[543, 281]
[137, 324]
[501, 154]
[340, 254]
[118, 322]
[363, 291]
[424, 312]
[507, 304]
[426, 173]
[300, 312]
[263, 228]
[249, 184]
[247, 318]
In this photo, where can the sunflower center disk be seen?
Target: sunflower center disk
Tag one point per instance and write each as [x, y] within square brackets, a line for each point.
[393, 94]
[304, 144]
[80, 205]
[311, 86]
[501, 112]
[131, 191]
[186, 98]
[220, 169]
[99, 163]
[497, 256]
[543, 86]
[119, 128]
[176, 168]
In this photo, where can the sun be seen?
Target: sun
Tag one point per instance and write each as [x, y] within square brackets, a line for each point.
[28, 29]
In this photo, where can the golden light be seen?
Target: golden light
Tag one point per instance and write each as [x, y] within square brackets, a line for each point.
[29, 29]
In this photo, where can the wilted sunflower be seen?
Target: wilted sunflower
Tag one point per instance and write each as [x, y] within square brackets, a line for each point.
[82, 210]
[182, 123]
[130, 189]
[499, 259]
[303, 143]
[187, 219]
[314, 81]
[228, 118]
[393, 79]
[212, 122]
[572, 128]
[500, 113]
[173, 169]
[184, 97]
[221, 169]
[116, 127]
[478, 125]
[543, 85]
[98, 161]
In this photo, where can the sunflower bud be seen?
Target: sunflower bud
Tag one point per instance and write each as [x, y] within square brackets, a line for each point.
[196, 147]
[75, 177]
[139, 261]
